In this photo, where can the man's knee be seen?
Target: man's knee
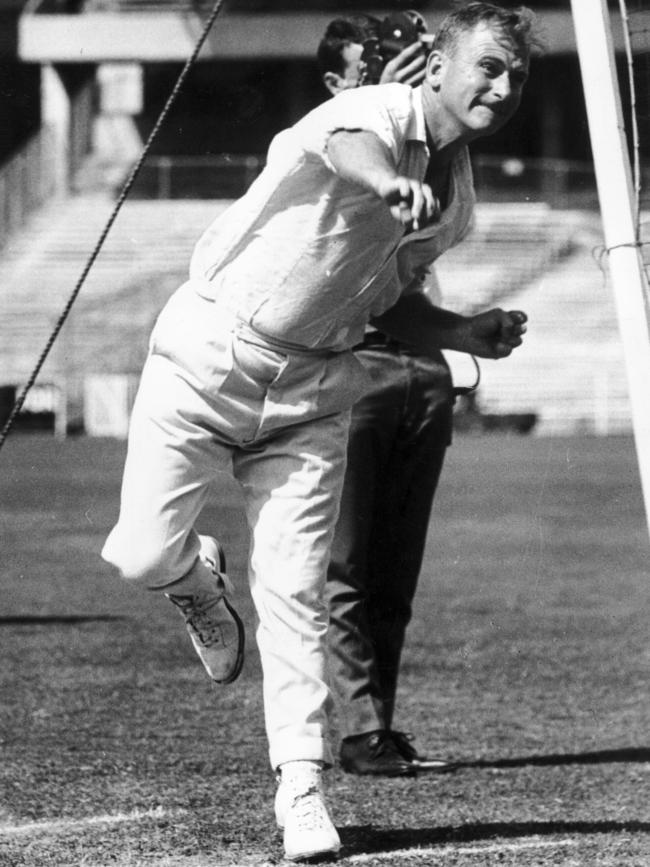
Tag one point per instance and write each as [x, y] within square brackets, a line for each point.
[149, 566]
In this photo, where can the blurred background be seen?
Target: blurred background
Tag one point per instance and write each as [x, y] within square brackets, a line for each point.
[82, 83]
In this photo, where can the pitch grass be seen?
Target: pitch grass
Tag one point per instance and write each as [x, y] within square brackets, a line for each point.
[528, 658]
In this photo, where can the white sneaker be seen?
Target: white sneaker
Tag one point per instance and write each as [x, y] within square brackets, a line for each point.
[214, 626]
[308, 829]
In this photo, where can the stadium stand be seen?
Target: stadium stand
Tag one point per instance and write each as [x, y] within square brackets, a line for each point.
[143, 260]
[570, 370]
[510, 246]
[569, 373]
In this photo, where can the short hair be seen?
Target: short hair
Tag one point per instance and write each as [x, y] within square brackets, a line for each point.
[340, 33]
[519, 23]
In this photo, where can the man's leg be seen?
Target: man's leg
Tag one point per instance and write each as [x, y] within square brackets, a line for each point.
[399, 435]
[353, 665]
[402, 519]
[366, 743]
[292, 485]
[411, 480]
[171, 460]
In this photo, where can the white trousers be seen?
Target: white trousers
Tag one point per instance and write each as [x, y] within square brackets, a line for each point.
[211, 398]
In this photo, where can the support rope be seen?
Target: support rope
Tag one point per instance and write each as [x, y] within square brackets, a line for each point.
[118, 205]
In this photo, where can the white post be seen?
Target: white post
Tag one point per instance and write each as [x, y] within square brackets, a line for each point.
[61, 409]
[55, 111]
[595, 50]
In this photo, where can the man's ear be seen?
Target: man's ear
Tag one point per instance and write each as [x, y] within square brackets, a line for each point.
[334, 83]
[434, 68]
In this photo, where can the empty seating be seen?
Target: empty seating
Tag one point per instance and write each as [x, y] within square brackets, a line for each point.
[569, 372]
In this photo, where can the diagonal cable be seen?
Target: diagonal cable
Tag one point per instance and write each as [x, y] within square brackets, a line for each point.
[118, 204]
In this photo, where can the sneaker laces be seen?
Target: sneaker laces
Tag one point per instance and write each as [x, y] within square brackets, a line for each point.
[309, 811]
[198, 615]
[381, 743]
[403, 743]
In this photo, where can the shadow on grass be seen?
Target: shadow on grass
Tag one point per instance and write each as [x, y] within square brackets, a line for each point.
[627, 754]
[368, 839]
[57, 619]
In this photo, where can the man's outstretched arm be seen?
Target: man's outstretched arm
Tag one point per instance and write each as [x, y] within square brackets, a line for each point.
[359, 156]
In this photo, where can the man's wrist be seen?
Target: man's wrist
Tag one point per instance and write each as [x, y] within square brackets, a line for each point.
[455, 331]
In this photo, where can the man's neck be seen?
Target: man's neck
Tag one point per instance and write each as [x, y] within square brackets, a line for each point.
[443, 138]
[440, 155]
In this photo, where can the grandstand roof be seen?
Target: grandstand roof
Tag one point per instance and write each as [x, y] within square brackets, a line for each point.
[151, 31]
[166, 30]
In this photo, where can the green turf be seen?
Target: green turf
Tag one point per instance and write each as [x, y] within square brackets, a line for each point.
[528, 658]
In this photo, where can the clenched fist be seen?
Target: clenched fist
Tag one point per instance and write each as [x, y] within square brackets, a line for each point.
[493, 334]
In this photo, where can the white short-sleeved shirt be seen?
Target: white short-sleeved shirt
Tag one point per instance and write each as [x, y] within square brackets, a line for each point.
[305, 258]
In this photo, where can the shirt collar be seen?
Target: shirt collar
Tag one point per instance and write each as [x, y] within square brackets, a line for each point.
[417, 130]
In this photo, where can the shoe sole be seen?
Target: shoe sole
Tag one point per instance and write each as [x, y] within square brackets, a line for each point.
[241, 641]
[241, 634]
[320, 855]
[442, 768]
[409, 771]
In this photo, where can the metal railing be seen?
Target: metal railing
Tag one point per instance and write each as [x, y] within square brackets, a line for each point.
[560, 183]
[211, 177]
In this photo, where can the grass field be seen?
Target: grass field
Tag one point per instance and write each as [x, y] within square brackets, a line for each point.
[528, 658]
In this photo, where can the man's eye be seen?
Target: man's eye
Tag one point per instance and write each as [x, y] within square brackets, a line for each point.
[490, 67]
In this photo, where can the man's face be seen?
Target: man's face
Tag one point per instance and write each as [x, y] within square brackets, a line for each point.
[479, 83]
[349, 77]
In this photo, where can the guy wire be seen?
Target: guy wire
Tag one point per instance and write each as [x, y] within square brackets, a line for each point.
[4, 433]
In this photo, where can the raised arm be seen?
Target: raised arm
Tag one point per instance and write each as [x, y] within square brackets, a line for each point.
[408, 67]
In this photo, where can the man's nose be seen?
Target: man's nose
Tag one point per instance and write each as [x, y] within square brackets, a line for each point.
[502, 87]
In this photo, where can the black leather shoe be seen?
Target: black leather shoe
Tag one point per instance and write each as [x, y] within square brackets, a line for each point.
[404, 745]
[374, 753]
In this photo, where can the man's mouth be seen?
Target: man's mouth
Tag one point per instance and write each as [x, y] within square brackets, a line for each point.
[494, 109]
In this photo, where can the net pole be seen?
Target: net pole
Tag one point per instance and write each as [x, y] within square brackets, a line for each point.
[617, 206]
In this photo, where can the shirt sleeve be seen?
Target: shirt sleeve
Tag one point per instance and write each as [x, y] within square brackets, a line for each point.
[382, 109]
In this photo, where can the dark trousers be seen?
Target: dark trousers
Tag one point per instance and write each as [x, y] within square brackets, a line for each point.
[399, 435]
